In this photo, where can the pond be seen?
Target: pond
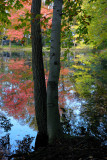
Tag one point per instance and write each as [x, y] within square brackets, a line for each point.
[18, 128]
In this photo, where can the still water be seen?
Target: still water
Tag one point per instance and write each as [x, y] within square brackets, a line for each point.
[17, 113]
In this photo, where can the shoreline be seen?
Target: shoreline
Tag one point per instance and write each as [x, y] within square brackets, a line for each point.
[15, 48]
[29, 49]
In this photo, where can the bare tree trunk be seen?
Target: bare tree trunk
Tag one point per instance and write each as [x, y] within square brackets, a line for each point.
[10, 43]
[53, 118]
[38, 69]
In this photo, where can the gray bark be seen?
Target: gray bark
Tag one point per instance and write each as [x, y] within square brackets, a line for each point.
[10, 43]
[38, 69]
[53, 118]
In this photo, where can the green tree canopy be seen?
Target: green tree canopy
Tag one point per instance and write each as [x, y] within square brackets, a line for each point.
[97, 30]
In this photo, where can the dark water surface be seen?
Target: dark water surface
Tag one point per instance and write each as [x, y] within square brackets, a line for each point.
[18, 128]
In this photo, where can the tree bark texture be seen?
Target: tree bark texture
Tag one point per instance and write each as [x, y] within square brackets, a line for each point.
[38, 69]
[53, 118]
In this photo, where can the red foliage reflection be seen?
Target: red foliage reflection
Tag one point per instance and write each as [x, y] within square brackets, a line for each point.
[17, 88]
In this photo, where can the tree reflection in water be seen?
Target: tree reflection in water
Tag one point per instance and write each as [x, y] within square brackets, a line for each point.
[5, 147]
[5, 123]
[88, 118]
[89, 78]
[24, 146]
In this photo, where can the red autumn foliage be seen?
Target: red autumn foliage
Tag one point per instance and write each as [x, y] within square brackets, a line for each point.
[17, 88]
[25, 14]
[19, 91]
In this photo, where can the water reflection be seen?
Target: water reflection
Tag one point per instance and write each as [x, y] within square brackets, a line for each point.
[89, 76]
[5, 123]
[17, 114]
[5, 147]
[79, 116]
[19, 129]
[23, 146]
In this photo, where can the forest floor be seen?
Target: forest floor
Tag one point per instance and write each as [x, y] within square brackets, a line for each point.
[78, 148]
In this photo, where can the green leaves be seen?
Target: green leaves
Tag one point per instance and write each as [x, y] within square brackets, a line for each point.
[48, 2]
[96, 11]
[89, 70]
[5, 7]
[18, 4]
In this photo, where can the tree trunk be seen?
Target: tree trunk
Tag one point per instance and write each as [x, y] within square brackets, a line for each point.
[10, 43]
[2, 42]
[38, 69]
[53, 118]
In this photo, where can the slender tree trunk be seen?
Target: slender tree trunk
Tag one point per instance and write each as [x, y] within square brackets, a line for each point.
[38, 69]
[53, 118]
[10, 43]
[2, 42]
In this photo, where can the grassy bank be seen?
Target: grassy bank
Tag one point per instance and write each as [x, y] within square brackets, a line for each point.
[16, 48]
[78, 49]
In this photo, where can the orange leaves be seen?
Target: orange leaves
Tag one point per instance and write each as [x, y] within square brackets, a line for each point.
[16, 64]
[21, 18]
[64, 71]
[28, 2]
[15, 34]
[16, 18]
[46, 19]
